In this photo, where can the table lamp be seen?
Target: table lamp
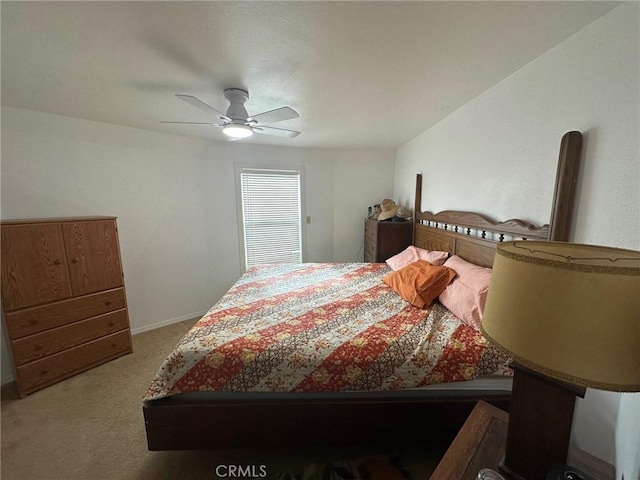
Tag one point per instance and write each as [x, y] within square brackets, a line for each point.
[569, 316]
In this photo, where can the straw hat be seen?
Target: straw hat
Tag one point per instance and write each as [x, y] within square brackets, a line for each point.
[403, 213]
[388, 209]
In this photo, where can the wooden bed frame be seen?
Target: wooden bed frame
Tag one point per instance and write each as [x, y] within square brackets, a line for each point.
[186, 422]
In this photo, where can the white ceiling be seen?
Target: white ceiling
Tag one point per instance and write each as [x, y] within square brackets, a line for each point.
[361, 74]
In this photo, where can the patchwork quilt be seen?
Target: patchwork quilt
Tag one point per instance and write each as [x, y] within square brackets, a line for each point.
[320, 328]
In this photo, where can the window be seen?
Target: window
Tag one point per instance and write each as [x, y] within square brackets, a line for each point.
[271, 214]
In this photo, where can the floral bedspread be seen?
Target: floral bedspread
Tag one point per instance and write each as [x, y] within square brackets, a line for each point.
[322, 327]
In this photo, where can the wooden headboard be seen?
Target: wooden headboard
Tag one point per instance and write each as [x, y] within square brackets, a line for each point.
[474, 236]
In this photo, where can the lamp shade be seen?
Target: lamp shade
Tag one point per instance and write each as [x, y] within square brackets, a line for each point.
[569, 311]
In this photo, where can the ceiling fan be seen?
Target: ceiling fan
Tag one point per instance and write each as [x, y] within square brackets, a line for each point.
[236, 123]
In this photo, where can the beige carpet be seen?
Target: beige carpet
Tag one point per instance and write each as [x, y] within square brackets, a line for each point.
[91, 427]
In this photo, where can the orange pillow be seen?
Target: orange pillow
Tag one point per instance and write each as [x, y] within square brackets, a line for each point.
[419, 283]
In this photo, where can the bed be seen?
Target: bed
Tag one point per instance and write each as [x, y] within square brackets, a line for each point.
[263, 368]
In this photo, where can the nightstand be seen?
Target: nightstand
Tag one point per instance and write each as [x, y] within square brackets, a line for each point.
[480, 443]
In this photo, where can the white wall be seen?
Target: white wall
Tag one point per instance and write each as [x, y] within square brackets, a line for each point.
[175, 202]
[498, 155]
[627, 437]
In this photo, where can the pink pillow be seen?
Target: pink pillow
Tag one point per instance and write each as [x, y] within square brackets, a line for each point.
[413, 254]
[466, 295]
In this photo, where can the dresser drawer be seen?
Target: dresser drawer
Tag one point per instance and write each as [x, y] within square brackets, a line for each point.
[38, 319]
[370, 240]
[383, 240]
[54, 368]
[371, 231]
[32, 347]
[369, 252]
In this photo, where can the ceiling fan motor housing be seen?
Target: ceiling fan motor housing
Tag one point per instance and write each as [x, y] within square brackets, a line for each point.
[236, 111]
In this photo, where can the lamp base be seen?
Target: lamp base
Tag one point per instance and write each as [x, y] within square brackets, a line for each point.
[540, 420]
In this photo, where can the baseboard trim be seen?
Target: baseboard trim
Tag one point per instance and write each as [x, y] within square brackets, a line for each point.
[164, 323]
[590, 465]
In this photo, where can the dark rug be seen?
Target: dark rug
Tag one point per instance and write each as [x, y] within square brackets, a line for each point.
[365, 468]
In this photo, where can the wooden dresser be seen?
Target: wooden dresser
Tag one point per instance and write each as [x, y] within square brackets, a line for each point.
[384, 239]
[63, 297]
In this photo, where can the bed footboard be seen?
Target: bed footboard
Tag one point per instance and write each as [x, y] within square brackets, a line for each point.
[191, 425]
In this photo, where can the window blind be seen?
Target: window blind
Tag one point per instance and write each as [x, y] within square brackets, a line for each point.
[271, 216]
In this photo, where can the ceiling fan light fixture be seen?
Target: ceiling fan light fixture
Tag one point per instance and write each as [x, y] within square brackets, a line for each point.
[236, 131]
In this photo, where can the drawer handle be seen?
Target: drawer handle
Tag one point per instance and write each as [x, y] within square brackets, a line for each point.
[33, 322]
[111, 324]
[57, 262]
[74, 260]
[107, 302]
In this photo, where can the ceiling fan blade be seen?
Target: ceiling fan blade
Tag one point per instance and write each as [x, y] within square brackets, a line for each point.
[195, 102]
[280, 132]
[193, 123]
[277, 115]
